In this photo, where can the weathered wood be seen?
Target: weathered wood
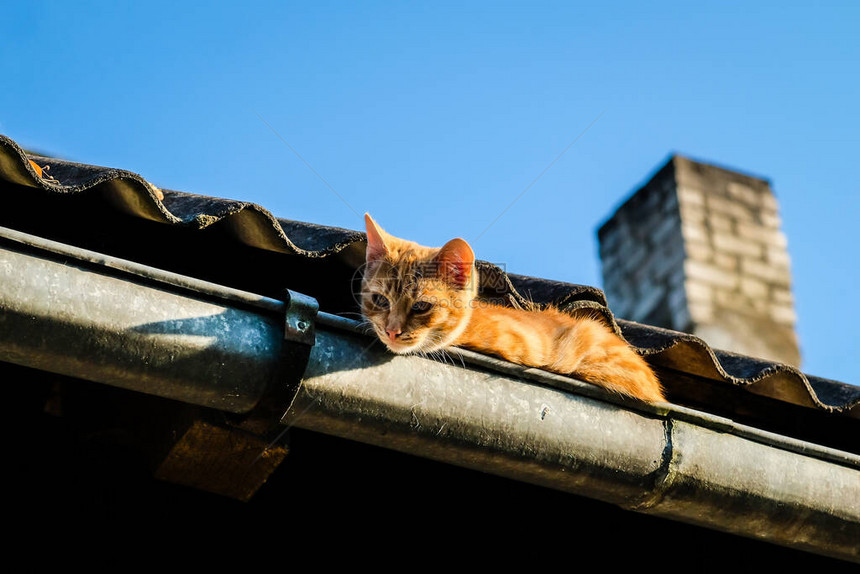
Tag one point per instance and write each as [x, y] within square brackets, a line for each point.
[224, 454]
[221, 459]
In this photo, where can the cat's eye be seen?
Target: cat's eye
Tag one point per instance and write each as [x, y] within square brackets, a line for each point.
[421, 306]
[380, 301]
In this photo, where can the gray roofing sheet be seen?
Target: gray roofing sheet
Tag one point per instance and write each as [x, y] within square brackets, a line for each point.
[250, 225]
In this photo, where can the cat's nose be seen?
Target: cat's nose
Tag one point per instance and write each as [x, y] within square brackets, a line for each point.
[393, 333]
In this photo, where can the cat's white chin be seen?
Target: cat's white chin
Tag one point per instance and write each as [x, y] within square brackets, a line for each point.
[427, 344]
[415, 348]
[403, 349]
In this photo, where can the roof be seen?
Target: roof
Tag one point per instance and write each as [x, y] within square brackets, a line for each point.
[104, 196]
[242, 246]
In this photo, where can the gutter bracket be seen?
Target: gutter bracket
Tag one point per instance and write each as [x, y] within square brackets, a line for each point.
[300, 318]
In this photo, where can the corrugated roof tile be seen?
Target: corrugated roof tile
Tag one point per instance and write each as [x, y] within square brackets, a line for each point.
[254, 226]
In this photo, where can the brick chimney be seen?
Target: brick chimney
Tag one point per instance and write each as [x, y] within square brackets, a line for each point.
[699, 249]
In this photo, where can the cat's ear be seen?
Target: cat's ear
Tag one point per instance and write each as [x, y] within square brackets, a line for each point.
[455, 262]
[376, 248]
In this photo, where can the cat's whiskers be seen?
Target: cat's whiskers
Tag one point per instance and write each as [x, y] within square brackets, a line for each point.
[435, 351]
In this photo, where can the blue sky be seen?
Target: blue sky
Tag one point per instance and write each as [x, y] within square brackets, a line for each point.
[435, 116]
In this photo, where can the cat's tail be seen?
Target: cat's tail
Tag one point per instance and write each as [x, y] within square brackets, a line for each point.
[597, 355]
[630, 376]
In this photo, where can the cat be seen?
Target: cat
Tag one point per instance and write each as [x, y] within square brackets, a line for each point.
[421, 300]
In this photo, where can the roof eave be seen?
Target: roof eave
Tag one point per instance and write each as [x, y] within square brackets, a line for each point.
[94, 317]
[557, 432]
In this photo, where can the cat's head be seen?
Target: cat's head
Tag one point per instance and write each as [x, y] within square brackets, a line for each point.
[418, 299]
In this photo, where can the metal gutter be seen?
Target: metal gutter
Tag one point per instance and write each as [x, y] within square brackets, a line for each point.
[82, 314]
[86, 315]
[533, 426]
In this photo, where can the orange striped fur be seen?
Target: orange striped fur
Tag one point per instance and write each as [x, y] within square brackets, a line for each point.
[421, 300]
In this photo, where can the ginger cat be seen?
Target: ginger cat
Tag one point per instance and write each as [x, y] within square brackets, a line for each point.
[420, 300]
